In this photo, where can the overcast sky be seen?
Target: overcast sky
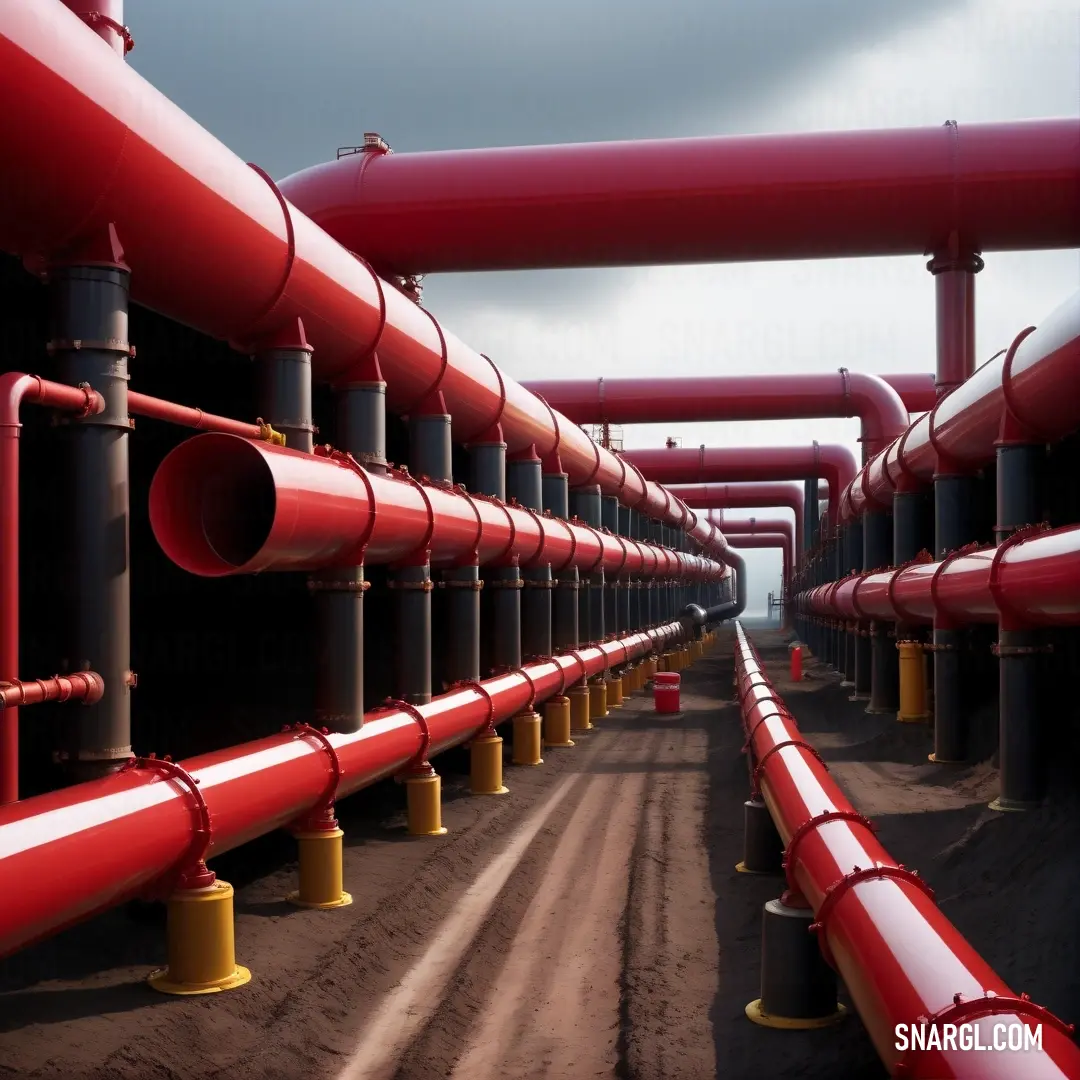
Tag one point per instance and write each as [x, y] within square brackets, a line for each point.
[285, 84]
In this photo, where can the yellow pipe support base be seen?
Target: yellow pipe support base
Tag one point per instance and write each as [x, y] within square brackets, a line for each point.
[557, 722]
[486, 766]
[527, 739]
[321, 878]
[615, 692]
[661, 663]
[742, 868]
[651, 668]
[912, 683]
[598, 700]
[579, 708]
[788, 1023]
[423, 802]
[201, 944]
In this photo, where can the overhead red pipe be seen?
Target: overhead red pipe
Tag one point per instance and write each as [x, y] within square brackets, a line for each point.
[1030, 390]
[223, 505]
[847, 194]
[1036, 581]
[83, 849]
[211, 243]
[901, 960]
[766, 540]
[15, 389]
[680, 465]
[883, 412]
[770, 527]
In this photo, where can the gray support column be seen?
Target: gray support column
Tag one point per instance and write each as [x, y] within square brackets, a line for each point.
[587, 508]
[462, 646]
[283, 372]
[884, 665]
[429, 440]
[89, 338]
[487, 460]
[555, 488]
[525, 484]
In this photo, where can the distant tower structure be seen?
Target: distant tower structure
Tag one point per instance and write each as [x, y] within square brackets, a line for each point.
[609, 436]
[672, 443]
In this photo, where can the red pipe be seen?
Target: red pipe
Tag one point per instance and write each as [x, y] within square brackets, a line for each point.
[901, 960]
[226, 253]
[85, 686]
[83, 849]
[190, 417]
[749, 496]
[883, 412]
[224, 505]
[835, 463]
[1029, 392]
[766, 540]
[779, 531]
[848, 194]
[16, 388]
[1033, 580]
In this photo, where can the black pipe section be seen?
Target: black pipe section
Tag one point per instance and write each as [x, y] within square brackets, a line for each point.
[536, 613]
[487, 465]
[413, 585]
[461, 662]
[361, 417]
[884, 666]
[524, 481]
[284, 391]
[565, 611]
[587, 508]
[89, 338]
[555, 489]
[609, 517]
[430, 449]
[504, 585]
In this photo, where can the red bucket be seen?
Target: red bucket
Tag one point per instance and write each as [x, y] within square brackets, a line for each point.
[666, 691]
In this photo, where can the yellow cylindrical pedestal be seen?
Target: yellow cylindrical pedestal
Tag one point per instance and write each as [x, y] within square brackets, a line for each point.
[557, 722]
[635, 679]
[201, 944]
[615, 692]
[579, 708]
[651, 668]
[662, 663]
[527, 739]
[423, 802]
[697, 649]
[321, 879]
[598, 700]
[486, 766]
[687, 656]
[912, 683]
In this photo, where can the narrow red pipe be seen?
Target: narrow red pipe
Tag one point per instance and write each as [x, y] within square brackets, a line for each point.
[882, 410]
[901, 960]
[736, 530]
[766, 540]
[762, 495]
[85, 686]
[212, 243]
[223, 505]
[834, 462]
[847, 194]
[1036, 582]
[190, 417]
[80, 850]
[15, 389]
[1030, 390]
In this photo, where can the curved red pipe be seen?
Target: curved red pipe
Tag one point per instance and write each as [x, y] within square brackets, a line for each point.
[901, 960]
[1029, 392]
[83, 849]
[834, 462]
[823, 195]
[755, 526]
[766, 540]
[213, 244]
[1032, 582]
[882, 410]
[220, 505]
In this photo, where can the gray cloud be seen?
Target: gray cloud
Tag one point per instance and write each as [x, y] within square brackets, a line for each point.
[284, 84]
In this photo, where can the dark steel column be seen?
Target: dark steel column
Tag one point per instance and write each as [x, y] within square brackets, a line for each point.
[555, 488]
[884, 666]
[283, 371]
[89, 338]
[524, 484]
[504, 584]
[609, 516]
[430, 452]
[1022, 730]
[586, 506]
[487, 464]
[565, 600]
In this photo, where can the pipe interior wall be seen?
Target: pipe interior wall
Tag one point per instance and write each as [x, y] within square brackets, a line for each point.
[822, 195]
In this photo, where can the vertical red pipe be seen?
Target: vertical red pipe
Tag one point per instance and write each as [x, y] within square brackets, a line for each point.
[954, 288]
[15, 388]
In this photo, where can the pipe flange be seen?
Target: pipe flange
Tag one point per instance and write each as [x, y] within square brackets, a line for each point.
[1000, 650]
[554, 424]
[558, 667]
[93, 18]
[779, 710]
[347, 461]
[537, 555]
[755, 785]
[1006, 390]
[523, 672]
[837, 889]
[989, 1004]
[599, 539]
[290, 237]
[545, 584]
[419, 766]
[464, 493]
[402, 473]
[475, 585]
[191, 870]
[862, 615]
[320, 817]
[506, 583]
[378, 289]
[502, 397]
[808, 827]
[901, 615]
[1004, 612]
[959, 553]
[578, 657]
[411, 586]
[444, 357]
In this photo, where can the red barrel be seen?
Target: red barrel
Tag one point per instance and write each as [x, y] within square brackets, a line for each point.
[666, 691]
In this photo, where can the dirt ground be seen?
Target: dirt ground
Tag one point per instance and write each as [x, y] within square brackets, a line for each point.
[589, 924]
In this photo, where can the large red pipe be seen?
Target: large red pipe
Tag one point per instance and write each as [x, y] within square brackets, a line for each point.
[849, 194]
[80, 850]
[901, 960]
[706, 465]
[220, 504]
[15, 389]
[225, 253]
[1036, 582]
[766, 540]
[882, 410]
[749, 496]
[1028, 392]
